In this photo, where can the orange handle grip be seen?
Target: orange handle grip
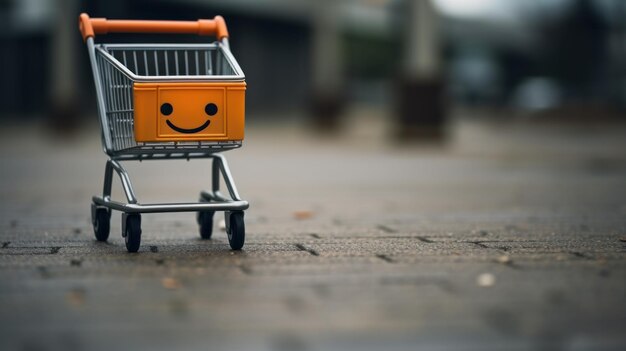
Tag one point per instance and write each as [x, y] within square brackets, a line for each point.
[89, 27]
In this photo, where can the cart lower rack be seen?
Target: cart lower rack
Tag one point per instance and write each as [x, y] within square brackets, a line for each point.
[167, 101]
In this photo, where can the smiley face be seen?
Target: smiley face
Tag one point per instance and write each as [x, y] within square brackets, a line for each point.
[210, 109]
[191, 113]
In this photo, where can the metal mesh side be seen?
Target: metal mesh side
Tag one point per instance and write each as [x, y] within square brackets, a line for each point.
[165, 150]
[173, 61]
[118, 96]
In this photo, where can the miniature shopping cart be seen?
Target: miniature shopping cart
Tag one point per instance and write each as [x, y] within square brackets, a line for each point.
[167, 101]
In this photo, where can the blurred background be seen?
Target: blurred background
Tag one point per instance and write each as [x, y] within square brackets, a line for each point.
[443, 172]
[412, 64]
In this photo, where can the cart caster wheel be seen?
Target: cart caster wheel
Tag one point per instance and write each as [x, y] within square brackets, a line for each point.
[236, 230]
[205, 220]
[101, 220]
[132, 231]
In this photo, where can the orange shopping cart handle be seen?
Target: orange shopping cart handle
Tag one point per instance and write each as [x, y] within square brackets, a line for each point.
[89, 27]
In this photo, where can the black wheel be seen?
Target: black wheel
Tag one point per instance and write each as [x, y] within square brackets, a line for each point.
[205, 220]
[237, 231]
[101, 220]
[132, 231]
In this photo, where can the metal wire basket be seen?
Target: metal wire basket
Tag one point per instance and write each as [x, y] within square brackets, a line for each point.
[122, 65]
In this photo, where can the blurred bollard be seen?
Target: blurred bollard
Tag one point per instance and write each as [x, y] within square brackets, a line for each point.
[421, 110]
[64, 108]
[420, 105]
[327, 97]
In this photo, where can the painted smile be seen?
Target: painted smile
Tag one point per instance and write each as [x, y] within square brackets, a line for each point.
[188, 131]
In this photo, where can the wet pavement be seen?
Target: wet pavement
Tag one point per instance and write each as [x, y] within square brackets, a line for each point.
[509, 236]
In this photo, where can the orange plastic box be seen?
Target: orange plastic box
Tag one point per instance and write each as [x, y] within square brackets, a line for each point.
[189, 111]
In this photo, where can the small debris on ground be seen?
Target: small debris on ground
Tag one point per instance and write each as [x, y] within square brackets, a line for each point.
[170, 283]
[300, 215]
[486, 280]
[623, 239]
[76, 297]
[504, 259]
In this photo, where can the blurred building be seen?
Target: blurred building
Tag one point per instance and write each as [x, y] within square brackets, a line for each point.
[523, 54]
[272, 39]
[536, 55]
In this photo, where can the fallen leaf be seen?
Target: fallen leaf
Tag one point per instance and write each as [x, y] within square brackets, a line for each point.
[170, 283]
[76, 297]
[300, 215]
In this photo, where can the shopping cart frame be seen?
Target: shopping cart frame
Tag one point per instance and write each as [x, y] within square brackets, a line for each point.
[210, 201]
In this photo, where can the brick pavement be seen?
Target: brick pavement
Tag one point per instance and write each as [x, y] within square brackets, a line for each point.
[508, 237]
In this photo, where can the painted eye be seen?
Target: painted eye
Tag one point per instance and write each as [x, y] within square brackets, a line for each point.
[210, 109]
[167, 109]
